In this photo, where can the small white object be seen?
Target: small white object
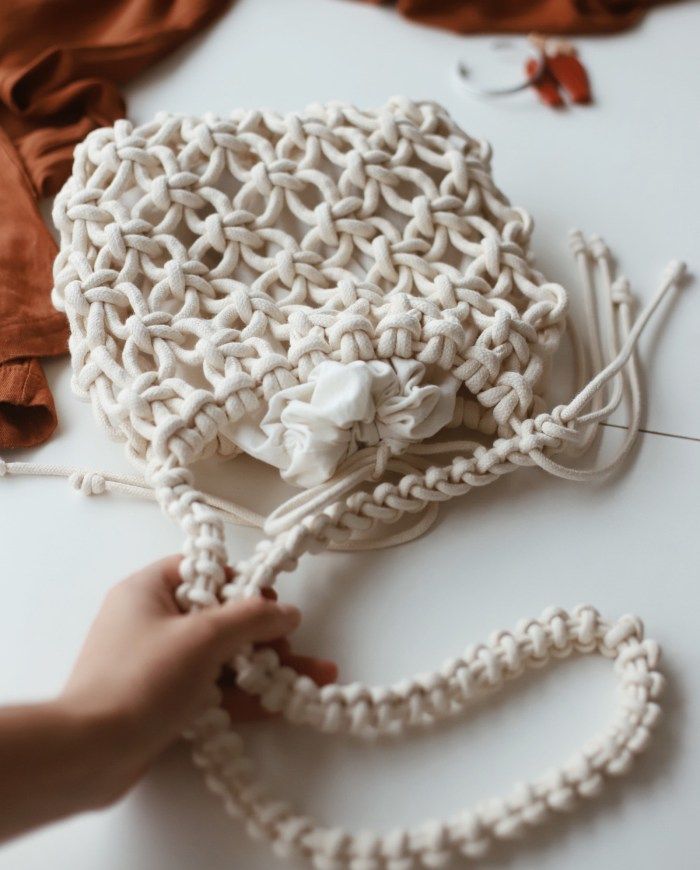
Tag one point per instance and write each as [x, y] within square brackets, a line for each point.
[308, 430]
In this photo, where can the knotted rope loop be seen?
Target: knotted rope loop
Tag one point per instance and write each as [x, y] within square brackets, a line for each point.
[364, 712]
[88, 483]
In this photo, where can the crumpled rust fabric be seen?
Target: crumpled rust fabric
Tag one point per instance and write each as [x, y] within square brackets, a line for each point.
[524, 16]
[61, 65]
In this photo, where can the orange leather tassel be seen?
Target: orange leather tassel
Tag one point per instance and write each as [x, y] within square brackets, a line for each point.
[546, 85]
[571, 74]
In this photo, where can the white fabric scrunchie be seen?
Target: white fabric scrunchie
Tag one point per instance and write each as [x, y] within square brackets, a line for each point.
[309, 429]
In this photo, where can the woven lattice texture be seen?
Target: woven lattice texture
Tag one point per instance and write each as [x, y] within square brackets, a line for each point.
[207, 264]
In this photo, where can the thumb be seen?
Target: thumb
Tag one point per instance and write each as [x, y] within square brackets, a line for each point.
[253, 620]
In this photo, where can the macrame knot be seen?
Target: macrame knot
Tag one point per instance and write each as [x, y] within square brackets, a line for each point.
[115, 242]
[422, 215]
[286, 269]
[577, 243]
[553, 426]
[214, 232]
[88, 483]
[625, 628]
[444, 337]
[188, 596]
[326, 225]
[382, 251]
[160, 192]
[620, 292]
[598, 248]
[355, 169]
[398, 330]
[261, 179]
[350, 335]
[491, 255]
[587, 621]
[529, 437]
[500, 329]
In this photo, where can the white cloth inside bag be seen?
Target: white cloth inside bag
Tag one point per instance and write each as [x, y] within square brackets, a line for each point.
[309, 429]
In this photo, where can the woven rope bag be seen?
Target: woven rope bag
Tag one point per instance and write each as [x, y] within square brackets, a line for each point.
[343, 294]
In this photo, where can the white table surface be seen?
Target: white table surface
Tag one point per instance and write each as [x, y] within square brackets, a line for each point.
[628, 168]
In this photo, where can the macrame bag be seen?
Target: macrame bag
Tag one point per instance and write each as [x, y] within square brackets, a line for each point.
[344, 295]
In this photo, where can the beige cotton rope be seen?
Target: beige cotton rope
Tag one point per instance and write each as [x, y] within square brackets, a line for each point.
[212, 267]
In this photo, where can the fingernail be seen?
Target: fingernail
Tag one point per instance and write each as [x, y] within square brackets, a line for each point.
[290, 611]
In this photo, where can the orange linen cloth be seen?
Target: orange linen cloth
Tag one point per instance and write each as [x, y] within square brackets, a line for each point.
[61, 65]
[523, 16]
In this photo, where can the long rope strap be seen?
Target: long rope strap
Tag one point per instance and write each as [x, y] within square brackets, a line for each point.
[365, 712]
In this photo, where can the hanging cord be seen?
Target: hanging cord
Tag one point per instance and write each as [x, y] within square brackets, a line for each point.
[99, 482]
[370, 464]
[590, 354]
[619, 294]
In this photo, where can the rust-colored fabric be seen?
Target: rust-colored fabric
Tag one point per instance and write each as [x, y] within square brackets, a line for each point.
[524, 16]
[61, 65]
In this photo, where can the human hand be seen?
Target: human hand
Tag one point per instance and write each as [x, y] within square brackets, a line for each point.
[146, 669]
[243, 707]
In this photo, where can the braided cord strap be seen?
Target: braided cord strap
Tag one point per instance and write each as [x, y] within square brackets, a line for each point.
[368, 711]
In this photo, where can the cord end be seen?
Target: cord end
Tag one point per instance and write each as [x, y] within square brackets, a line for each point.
[620, 292]
[577, 243]
[598, 248]
[675, 272]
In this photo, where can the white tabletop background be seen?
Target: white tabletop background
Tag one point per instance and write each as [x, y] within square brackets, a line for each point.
[628, 168]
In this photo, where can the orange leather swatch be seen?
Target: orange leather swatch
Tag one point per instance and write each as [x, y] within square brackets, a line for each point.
[523, 16]
[61, 65]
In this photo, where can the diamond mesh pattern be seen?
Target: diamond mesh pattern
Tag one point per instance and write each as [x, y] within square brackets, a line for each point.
[207, 263]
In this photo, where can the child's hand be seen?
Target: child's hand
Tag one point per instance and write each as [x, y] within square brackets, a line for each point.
[147, 669]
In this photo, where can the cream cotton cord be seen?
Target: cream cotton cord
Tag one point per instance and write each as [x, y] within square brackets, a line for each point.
[366, 712]
[617, 298]
[209, 267]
